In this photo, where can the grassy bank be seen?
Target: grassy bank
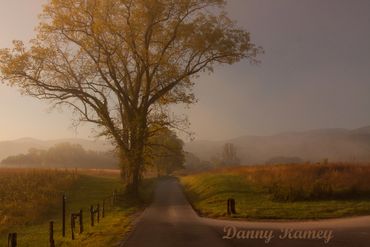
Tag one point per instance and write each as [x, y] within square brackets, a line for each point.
[282, 191]
[86, 188]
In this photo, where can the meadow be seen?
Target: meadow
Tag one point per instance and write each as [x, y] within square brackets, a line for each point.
[300, 191]
[30, 198]
[29, 195]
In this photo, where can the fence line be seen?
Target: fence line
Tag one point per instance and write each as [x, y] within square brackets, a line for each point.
[94, 212]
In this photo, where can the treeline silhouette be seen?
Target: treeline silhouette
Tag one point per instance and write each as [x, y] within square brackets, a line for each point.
[63, 155]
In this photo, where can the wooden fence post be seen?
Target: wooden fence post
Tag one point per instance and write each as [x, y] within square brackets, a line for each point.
[78, 215]
[228, 207]
[92, 215]
[103, 209]
[81, 222]
[64, 215]
[12, 239]
[51, 234]
[114, 198]
[73, 226]
[98, 209]
[231, 206]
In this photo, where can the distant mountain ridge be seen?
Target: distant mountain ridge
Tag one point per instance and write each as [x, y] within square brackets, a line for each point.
[334, 144]
[22, 145]
[314, 145]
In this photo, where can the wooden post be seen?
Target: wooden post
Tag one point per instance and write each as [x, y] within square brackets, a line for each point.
[51, 234]
[92, 215]
[114, 197]
[81, 222]
[98, 211]
[78, 215]
[73, 226]
[103, 209]
[231, 206]
[12, 239]
[64, 215]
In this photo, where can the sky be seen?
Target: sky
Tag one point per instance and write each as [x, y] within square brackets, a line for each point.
[315, 73]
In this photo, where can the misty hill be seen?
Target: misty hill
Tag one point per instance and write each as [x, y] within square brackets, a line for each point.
[21, 146]
[315, 145]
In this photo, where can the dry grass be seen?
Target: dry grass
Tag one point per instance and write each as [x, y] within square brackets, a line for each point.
[29, 195]
[112, 173]
[32, 193]
[309, 181]
[307, 191]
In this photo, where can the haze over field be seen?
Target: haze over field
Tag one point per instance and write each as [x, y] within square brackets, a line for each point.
[312, 76]
[341, 145]
[22, 145]
[336, 145]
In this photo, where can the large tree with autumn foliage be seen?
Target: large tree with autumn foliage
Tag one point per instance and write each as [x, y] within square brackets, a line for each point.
[120, 63]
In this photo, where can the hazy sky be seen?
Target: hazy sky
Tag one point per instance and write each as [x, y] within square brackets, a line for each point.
[315, 73]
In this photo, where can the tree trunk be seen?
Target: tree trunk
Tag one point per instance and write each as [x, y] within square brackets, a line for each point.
[132, 171]
[136, 156]
[135, 181]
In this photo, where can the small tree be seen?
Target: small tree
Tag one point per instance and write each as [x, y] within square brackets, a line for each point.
[120, 63]
[165, 152]
[229, 156]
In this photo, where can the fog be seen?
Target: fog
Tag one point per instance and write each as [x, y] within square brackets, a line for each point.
[315, 146]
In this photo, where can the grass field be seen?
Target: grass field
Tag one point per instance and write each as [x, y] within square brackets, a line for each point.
[82, 189]
[282, 191]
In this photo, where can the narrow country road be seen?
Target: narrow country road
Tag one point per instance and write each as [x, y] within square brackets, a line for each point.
[171, 222]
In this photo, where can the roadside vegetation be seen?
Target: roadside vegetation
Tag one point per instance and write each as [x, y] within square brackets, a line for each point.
[30, 198]
[307, 191]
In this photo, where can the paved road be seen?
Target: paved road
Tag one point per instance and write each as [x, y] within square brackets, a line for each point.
[171, 222]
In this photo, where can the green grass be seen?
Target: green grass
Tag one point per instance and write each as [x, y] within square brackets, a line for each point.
[209, 191]
[87, 190]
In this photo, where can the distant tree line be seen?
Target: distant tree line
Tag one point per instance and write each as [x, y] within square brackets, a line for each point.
[163, 154]
[64, 155]
[193, 162]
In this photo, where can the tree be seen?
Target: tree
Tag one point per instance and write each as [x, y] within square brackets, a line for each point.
[165, 152]
[193, 162]
[120, 63]
[229, 157]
